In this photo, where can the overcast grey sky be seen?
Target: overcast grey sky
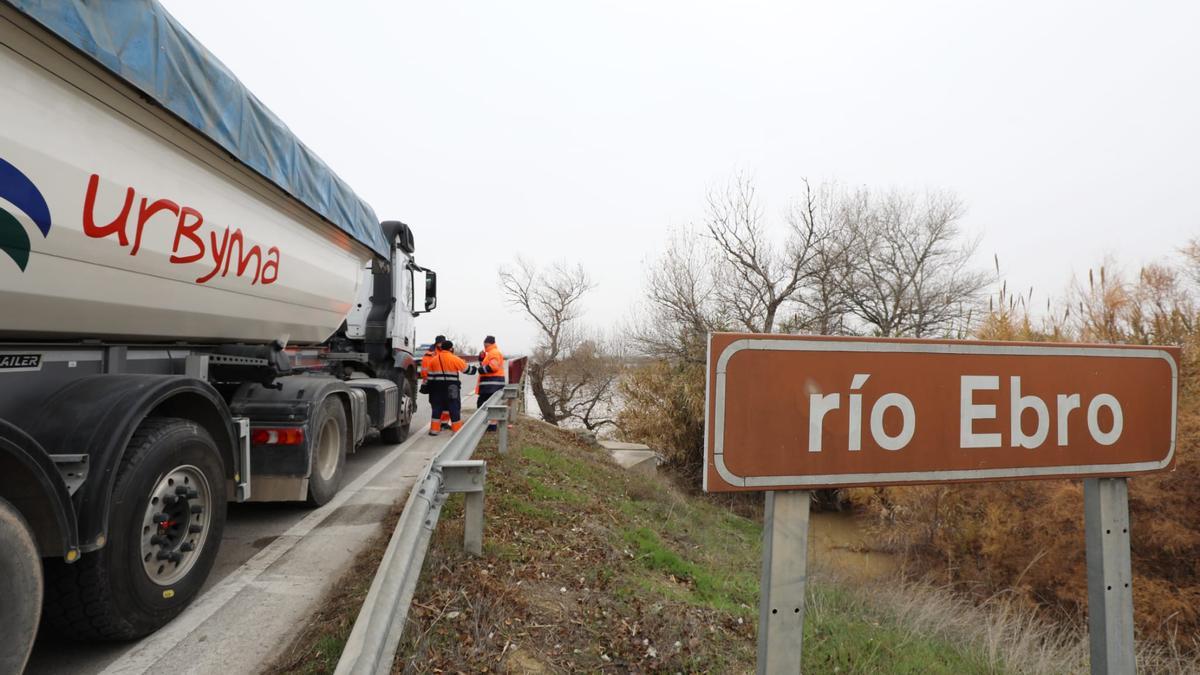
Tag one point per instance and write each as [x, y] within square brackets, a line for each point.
[583, 131]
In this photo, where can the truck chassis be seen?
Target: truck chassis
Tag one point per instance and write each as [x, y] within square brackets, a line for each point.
[128, 453]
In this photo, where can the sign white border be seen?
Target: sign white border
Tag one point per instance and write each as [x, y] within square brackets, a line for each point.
[801, 482]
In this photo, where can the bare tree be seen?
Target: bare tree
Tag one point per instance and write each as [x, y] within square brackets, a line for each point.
[909, 271]
[572, 373]
[896, 264]
[845, 262]
[822, 306]
[733, 273]
[581, 385]
[759, 277]
[462, 344]
[681, 293]
[551, 298]
[1191, 259]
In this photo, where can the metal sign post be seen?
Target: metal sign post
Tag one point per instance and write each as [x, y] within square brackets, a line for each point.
[1109, 574]
[784, 582]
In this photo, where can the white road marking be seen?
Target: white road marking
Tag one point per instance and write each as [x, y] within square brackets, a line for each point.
[150, 650]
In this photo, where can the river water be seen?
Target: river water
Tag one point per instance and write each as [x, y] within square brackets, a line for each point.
[840, 544]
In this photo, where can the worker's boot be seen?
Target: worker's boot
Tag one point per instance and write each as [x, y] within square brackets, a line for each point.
[455, 426]
[435, 427]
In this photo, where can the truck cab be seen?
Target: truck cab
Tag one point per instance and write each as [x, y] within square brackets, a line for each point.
[391, 296]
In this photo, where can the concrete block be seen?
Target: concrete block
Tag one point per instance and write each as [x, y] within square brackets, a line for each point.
[633, 457]
[618, 445]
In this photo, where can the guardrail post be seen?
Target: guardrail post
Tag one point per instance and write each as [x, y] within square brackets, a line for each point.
[467, 476]
[510, 396]
[498, 412]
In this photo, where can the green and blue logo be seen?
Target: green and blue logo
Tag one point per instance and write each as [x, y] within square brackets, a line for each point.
[18, 190]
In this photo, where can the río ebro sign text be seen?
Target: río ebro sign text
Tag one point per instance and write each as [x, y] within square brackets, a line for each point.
[799, 413]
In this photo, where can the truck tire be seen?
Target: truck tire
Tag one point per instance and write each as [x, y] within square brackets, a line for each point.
[399, 433]
[328, 448]
[20, 588]
[165, 525]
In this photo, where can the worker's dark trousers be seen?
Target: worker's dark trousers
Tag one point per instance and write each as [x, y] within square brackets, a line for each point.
[445, 398]
[486, 389]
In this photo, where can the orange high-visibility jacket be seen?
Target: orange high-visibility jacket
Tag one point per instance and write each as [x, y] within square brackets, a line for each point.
[425, 362]
[491, 366]
[443, 366]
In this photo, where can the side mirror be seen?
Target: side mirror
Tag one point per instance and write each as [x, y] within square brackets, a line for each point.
[430, 290]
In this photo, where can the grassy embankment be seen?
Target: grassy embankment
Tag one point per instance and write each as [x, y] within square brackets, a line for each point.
[588, 568]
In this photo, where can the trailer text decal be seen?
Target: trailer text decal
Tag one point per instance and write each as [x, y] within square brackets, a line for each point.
[189, 245]
[18, 190]
[20, 362]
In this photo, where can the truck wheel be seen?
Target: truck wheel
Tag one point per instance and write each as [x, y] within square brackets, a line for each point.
[165, 525]
[21, 588]
[399, 433]
[328, 448]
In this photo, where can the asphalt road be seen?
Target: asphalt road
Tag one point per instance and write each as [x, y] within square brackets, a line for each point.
[249, 529]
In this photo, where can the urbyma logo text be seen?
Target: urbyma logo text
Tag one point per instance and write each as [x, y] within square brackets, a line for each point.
[20, 192]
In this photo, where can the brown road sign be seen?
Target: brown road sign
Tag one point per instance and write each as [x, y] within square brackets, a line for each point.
[792, 412]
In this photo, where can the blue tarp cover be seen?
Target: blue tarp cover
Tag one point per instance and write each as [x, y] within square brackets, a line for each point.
[139, 41]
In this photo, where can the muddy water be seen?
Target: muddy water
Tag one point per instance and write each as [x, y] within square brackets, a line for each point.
[839, 544]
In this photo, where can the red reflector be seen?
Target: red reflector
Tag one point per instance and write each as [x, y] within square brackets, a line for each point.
[285, 436]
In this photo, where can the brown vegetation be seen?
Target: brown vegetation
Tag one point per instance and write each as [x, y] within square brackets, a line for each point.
[664, 408]
[1026, 538]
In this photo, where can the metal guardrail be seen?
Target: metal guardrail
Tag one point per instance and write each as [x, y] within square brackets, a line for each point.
[371, 647]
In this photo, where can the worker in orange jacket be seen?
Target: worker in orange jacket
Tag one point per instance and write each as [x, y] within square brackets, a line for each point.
[429, 353]
[491, 372]
[444, 385]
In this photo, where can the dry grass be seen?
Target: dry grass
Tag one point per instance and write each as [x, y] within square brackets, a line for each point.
[664, 408]
[1010, 636]
[966, 535]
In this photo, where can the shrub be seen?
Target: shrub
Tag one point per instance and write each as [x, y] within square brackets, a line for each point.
[663, 407]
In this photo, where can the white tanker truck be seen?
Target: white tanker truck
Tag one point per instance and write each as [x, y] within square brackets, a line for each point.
[193, 309]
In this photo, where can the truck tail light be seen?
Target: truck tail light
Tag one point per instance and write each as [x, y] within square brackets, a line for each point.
[283, 436]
